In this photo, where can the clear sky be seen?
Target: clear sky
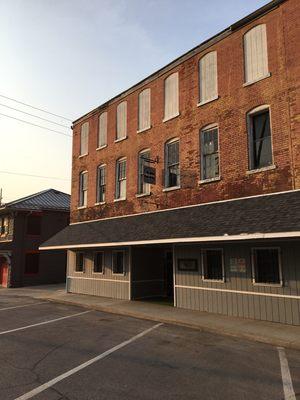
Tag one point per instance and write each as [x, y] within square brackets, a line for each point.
[69, 56]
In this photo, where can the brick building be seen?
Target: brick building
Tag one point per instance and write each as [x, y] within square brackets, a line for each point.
[217, 227]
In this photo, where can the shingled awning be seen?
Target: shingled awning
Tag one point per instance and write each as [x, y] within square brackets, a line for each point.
[260, 217]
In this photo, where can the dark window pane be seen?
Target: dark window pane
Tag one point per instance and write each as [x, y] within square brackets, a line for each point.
[260, 136]
[32, 263]
[213, 265]
[34, 224]
[210, 154]
[79, 262]
[118, 262]
[266, 266]
[98, 262]
[172, 164]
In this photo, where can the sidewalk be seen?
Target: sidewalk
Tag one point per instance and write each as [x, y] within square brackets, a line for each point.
[260, 331]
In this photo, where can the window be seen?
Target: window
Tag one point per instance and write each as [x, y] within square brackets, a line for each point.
[208, 79]
[101, 183]
[32, 261]
[122, 120]
[4, 226]
[266, 266]
[79, 266]
[172, 171]
[256, 54]
[144, 156]
[98, 262]
[213, 265]
[84, 139]
[102, 137]
[144, 110]
[260, 141]
[209, 153]
[34, 224]
[171, 96]
[83, 188]
[121, 179]
[118, 261]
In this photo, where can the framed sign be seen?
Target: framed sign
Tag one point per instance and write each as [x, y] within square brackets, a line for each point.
[187, 264]
[149, 174]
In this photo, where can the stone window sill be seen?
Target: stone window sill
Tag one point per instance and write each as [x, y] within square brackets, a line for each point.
[169, 189]
[256, 171]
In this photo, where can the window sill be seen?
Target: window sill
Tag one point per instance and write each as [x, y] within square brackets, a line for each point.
[214, 280]
[142, 195]
[267, 284]
[201, 103]
[78, 272]
[121, 199]
[100, 203]
[97, 273]
[119, 273]
[101, 147]
[172, 117]
[257, 80]
[121, 139]
[144, 129]
[169, 189]
[83, 155]
[256, 171]
[81, 207]
[211, 180]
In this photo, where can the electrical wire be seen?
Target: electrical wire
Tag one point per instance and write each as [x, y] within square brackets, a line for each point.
[34, 176]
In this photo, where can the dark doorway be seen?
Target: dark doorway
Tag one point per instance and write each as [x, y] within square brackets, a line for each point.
[169, 280]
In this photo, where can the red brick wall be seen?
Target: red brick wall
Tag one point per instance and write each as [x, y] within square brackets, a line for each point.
[279, 91]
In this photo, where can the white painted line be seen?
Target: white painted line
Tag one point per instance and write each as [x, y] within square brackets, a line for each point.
[44, 323]
[287, 383]
[24, 305]
[73, 371]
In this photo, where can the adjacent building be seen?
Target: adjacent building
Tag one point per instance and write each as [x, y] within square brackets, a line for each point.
[24, 225]
[187, 185]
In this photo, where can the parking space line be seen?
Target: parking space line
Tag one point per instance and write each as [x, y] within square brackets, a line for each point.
[287, 383]
[24, 305]
[73, 371]
[44, 323]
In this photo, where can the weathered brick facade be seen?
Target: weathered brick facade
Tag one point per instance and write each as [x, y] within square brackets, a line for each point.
[280, 91]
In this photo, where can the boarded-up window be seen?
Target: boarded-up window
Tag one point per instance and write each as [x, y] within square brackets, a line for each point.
[32, 261]
[118, 262]
[84, 139]
[172, 167]
[208, 77]
[101, 183]
[144, 110]
[171, 96]
[121, 179]
[209, 153]
[213, 264]
[102, 137]
[122, 120]
[256, 54]
[143, 187]
[266, 265]
[98, 262]
[83, 189]
[260, 141]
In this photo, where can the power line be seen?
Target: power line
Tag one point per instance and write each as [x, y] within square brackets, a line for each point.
[34, 176]
[39, 126]
[35, 116]
[36, 108]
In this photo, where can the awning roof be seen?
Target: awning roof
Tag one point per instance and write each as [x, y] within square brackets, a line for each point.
[260, 217]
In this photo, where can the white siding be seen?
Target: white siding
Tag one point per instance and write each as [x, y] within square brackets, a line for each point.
[171, 96]
[122, 120]
[256, 54]
[84, 138]
[102, 138]
[144, 110]
[208, 76]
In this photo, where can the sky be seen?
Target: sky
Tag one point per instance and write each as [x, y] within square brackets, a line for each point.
[70, 56]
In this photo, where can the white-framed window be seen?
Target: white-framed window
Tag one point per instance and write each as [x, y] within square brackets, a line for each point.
[256, 54]
[101, 183]
[79, 261]
[213, 265]
[102, 135]
[171, 96]
[144, 115]
[143, 157]
[122, 120]
[121, 178]
[83, 188]
[98, 267]
[118, 262]
[208, 78]
[172, 165]
[260, 138]
[84, 138]
[209, 142]
[266, 266]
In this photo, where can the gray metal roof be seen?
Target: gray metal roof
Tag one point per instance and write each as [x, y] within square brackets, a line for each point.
[49, 199]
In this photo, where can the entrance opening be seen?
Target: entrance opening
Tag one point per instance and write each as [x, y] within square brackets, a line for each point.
[152, 274]
[3, 271]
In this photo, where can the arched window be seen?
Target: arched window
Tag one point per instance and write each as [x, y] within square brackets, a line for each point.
[121, 179]
[102, 136]
[122, 120]
[208, 79]
[83, 188]
[84, 139]
[171, 96]
[144, 110]
[172, 166]
[143, 161]
[256, 54]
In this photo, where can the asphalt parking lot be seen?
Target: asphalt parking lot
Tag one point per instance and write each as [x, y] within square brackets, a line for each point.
[51, 351]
